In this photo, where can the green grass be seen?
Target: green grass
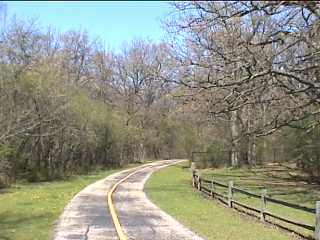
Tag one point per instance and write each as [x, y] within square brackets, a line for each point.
[171, 190]
[279, 183]
[29, 211]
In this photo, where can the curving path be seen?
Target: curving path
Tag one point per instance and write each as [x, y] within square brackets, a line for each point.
[87, 216]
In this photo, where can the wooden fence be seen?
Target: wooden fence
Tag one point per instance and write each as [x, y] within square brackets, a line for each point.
[208, 187]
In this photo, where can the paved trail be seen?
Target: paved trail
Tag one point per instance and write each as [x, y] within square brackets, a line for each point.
[87, 216]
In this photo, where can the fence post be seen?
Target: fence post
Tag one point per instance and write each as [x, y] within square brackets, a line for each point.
[194, 179]
[317, 228]
[212, 188]
[230, 193]
[199, 181]
[193, 170]
[263, 205]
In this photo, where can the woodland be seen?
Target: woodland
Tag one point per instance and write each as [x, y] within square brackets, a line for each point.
[239, 80]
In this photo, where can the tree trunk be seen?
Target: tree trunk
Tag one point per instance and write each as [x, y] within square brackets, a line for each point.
[234, 140]
[251, 138]
[264, 152]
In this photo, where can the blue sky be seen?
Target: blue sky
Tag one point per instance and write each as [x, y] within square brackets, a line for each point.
[114, 22]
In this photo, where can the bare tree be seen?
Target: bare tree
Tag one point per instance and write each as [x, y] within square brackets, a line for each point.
[251, 55]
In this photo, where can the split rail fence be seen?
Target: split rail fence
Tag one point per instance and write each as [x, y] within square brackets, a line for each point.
[208, 187]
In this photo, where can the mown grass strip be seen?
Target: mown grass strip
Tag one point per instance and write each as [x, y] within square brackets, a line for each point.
[29, 211]
[171, 190]
[279, 185]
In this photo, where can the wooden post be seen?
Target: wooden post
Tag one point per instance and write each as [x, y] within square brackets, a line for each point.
[317, 228]
[263, 205]
[193, 178]
[199, 181]
[193, 170]
[212, 188]
[230, 193]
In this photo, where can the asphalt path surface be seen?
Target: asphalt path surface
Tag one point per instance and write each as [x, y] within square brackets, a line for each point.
[87, 216]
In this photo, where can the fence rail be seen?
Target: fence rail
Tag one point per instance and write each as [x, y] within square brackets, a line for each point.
[246, 192]
[291, 205]
[201, 184]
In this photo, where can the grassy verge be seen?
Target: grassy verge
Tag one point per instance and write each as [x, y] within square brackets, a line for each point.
[279, 183]
[170, 189]
[29, 211]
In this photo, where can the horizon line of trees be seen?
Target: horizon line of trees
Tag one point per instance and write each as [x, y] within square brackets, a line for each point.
[234, 77]
[254, 67]
[68, 106]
